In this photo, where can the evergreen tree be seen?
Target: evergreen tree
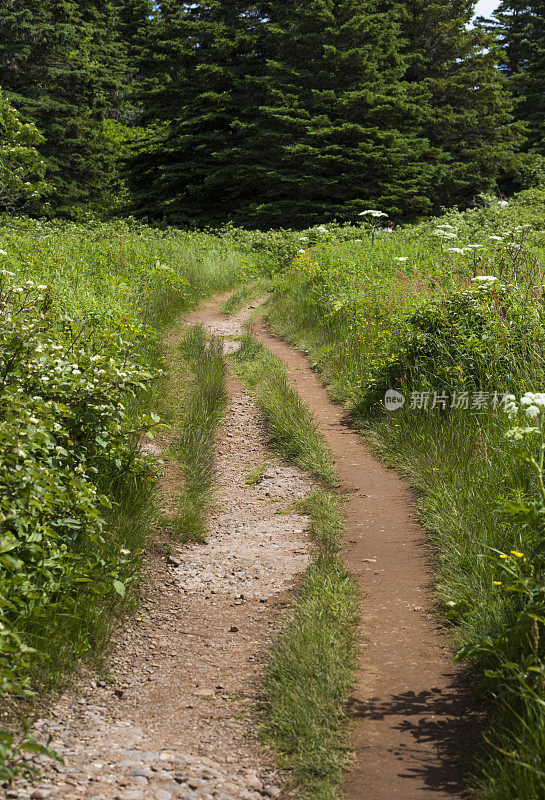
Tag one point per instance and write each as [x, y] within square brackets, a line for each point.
[520, 31]
[286, 114]
[202, 61]
[62, 65]
[467, 108]
[338, 129]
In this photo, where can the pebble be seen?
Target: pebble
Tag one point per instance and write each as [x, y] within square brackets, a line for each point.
[133, 794]
[162, 794]
[271, 791]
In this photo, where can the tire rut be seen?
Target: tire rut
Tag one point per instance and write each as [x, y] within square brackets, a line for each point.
[176, 718]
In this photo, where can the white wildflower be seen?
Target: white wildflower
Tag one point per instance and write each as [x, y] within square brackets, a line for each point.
[372, 213]
[445, 234]
[533, 399]
[401, 258]
[484, 279]
[517, 434]
[455, 250]
[532, 412]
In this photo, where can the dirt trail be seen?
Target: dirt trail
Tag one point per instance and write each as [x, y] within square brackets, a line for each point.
[412, 717]
[176, 718]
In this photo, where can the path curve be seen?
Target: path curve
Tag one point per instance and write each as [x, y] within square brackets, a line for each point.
[412, 714]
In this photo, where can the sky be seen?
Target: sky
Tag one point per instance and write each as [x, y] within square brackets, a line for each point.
[484, 8]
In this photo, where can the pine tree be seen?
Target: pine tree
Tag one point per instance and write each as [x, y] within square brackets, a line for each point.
[286, 114]
[61, 64]
[465, 102]
[520, 31]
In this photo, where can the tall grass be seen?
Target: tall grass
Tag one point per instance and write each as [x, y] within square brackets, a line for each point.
[194, 448]
[289, 422]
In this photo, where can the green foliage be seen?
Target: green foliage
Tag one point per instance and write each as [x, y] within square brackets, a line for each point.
[473, 339]
[291, 115]
[21, 166]
[466, 112]
[520, 30]
[62, 65]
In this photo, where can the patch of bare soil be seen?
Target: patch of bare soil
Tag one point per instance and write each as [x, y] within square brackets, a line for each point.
[176, 716]
[413, 720]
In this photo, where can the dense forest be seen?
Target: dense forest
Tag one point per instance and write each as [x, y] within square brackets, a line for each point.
[267, 114]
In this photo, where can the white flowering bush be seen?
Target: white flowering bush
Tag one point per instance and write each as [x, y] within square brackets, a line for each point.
[66, 437]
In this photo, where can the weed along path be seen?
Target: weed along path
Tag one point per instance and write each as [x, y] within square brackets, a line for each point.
[412, 719]
[175, 715]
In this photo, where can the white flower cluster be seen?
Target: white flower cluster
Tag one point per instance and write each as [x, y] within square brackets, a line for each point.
[533, 404]
[372, 213]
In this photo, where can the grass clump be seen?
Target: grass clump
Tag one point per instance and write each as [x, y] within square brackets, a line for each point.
[311, 670]
[290, 426]
[206, 402]
[245, 295]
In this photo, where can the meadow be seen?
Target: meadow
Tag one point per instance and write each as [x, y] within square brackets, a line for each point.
[447, 313]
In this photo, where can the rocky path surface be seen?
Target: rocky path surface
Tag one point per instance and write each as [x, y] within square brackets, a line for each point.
[411, 713]
[175, 718]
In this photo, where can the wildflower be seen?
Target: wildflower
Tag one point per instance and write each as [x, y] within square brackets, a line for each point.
[497, 583]
[474, 246]
[444, 234]
[3, 253]
[533, 399]
[503, 203]
[401, 258]
[496, 238]
[516, 553]
[372, 213]
[322, 229]
[455, 249]
[532, 412]
[484, 278]
[503, 555]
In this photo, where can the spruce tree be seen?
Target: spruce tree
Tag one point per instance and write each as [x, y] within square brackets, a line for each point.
[282, 114]
[467, 108]
[201, 64]
[61, 63]
[520, 31]
[339, 129]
